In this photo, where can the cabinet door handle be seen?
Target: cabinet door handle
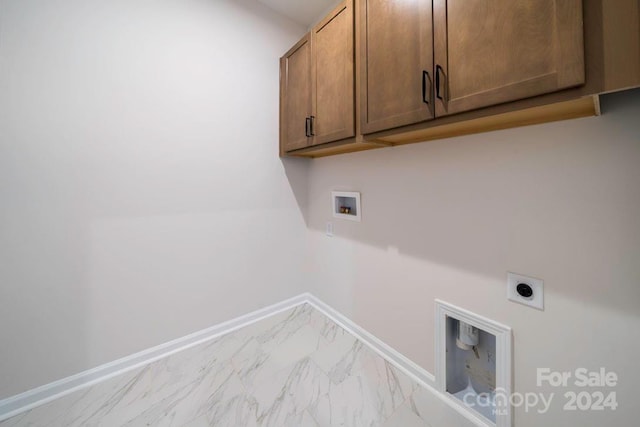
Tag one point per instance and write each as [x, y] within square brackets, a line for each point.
[438, 70]
[311, 130]
[307, 126]
[425, 94]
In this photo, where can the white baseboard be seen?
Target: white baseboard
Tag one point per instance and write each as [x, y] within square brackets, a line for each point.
[30, 399]
[397, 359]
[23, 402]
[385, 351]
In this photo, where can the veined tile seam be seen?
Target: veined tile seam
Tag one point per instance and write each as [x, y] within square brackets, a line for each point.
[33, 398]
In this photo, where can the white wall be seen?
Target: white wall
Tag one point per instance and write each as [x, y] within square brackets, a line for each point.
[447, 219]
[141, 199]
[141, 195]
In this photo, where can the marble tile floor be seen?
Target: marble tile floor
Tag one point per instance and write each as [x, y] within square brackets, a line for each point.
[296, 368]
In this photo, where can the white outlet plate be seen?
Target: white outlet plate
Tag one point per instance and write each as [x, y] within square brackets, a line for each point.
[329, 229]
[536, 300]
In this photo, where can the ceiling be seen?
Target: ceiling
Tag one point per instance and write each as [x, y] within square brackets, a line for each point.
[304, 12]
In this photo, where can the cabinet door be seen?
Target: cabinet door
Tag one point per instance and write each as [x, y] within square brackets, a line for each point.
[396, 63]
[493, 51]
[333, 74]
[295, 96]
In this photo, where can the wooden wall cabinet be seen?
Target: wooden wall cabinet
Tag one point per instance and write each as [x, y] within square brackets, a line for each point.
[492, 51]
[295, 96]
[396, 63]
[469, 54]
[317, 84]
[432, 69]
